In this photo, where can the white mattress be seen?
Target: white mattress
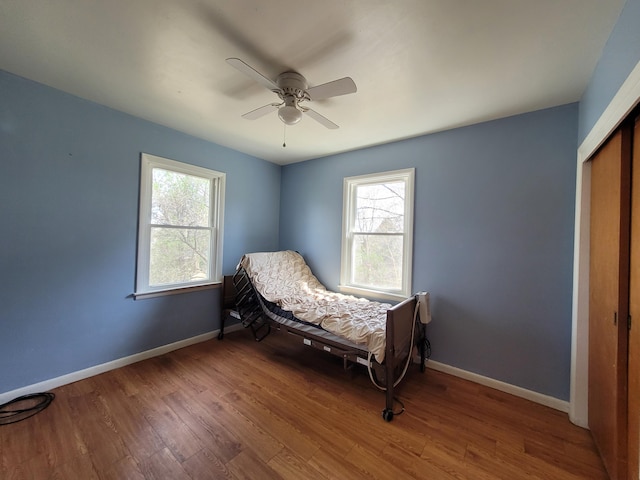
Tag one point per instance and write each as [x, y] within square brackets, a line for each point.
[285, 279]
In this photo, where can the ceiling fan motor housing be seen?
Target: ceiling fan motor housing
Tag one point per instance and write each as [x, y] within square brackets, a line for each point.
[292, 84]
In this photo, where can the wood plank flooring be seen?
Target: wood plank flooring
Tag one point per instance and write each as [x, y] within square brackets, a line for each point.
[245, 410]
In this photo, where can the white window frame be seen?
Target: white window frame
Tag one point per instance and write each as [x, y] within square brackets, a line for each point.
[217, 191]
[348, 222]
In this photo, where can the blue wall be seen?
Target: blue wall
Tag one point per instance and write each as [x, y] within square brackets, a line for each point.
[69, 182]
[619, 57]
[494, 209]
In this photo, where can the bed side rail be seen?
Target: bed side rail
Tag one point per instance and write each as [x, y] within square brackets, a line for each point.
[248, 306]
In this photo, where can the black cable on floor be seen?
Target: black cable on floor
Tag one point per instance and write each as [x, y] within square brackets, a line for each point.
[24, 407]
[401, 411]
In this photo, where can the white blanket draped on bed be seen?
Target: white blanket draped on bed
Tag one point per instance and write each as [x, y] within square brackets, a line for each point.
[285, 279]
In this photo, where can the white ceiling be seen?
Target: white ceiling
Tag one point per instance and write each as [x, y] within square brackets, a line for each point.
[420, 65]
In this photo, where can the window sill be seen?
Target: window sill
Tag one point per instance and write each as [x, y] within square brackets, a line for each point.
[373, 294]
[175, 291]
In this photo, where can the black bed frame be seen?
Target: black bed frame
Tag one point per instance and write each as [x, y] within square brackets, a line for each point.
[261, 317]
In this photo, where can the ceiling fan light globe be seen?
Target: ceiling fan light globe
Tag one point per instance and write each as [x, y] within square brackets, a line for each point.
[290, 115]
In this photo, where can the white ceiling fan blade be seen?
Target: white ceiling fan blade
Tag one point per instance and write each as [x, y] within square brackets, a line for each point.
[262, 111]
[320, 119]
[253, 73]
[336, 88]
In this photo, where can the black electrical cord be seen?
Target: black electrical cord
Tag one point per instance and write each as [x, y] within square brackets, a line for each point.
[401, 411]
[24, 407]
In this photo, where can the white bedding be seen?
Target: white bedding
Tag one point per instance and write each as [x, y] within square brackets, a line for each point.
[285, 279]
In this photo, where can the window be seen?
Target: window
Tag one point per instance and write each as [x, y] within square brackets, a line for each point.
[180, 226]
[377, 241]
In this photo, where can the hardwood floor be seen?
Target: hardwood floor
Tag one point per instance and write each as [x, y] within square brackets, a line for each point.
[241, 409]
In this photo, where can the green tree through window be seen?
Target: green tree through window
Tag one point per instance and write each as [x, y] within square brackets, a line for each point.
[180, 235]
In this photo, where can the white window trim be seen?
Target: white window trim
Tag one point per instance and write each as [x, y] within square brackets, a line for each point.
[348, 210]
[217, 192]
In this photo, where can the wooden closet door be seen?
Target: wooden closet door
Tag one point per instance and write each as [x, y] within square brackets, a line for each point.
[634, 311]
[608, 301]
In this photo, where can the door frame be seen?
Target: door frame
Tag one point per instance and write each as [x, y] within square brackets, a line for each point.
[624, 101]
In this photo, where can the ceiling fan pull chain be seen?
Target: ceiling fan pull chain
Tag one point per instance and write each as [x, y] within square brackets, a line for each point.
[284, 135]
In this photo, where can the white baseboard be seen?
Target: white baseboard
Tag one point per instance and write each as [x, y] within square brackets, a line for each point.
[540, 398]
[52, 383]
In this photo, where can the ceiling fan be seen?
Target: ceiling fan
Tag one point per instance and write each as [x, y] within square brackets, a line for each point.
[293, 90]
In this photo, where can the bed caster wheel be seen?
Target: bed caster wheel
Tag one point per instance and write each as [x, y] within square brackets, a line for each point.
[220, 336]
[387, 414]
